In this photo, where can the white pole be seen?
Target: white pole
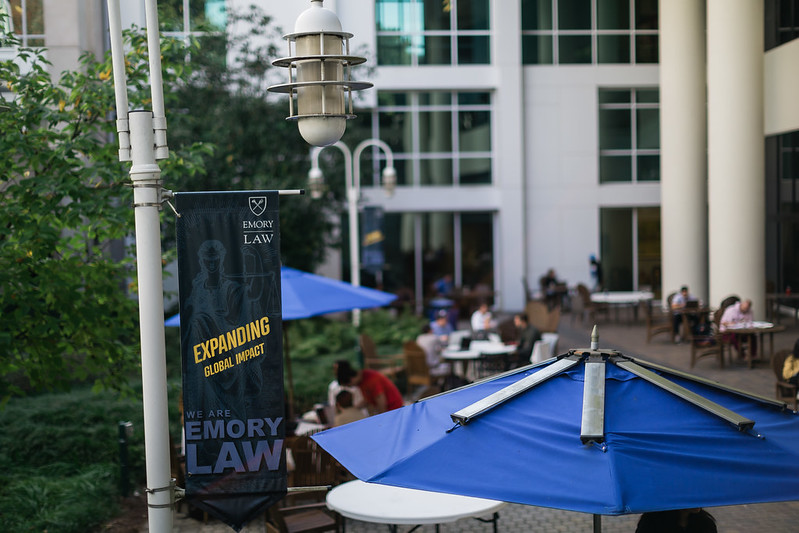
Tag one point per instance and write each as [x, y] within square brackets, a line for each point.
[146, 177]
[156, 80]
[120, 79]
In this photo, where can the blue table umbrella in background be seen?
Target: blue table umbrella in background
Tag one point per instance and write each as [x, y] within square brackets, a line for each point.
[590, 431]
[304, 295]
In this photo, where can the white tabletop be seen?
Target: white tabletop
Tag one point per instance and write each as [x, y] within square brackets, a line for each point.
[477, 349]
[622, 297]
[384, 504]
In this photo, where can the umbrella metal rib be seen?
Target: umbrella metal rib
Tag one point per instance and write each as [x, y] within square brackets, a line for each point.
[465, 415]
[593, 413]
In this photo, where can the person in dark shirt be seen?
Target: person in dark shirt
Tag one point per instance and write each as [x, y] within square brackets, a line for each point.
[677, 521]
[528, 335]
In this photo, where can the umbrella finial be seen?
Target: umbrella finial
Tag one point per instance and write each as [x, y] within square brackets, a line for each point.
[594, 338]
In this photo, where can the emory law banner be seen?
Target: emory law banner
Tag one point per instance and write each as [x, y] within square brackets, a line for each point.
[231, 347]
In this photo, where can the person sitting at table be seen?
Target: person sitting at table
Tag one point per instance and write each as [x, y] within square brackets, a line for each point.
[678, 303]
[738, 314]
[790, 369]
[346, 411]
[379, 393]
[482, 317]
[528, 335]
[432, 347]
[334, 387]
[441, 327]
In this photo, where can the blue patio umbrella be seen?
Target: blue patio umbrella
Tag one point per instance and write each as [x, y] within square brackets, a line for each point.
[304, 295]
[591, 431]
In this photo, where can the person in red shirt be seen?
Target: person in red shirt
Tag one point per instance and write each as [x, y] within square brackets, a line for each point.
[379, 393]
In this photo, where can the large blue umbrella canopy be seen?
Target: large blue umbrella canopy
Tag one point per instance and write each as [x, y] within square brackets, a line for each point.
[655, 449]
[305, 295]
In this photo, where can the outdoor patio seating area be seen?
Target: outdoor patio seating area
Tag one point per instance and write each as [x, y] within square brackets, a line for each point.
[630, 338]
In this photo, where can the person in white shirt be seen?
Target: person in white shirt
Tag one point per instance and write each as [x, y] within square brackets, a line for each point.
[482, 318]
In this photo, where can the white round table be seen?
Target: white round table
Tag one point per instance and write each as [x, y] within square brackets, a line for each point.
[383, 504]
[477, 350]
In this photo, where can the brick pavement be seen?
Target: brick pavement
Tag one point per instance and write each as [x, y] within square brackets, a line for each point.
[630, 339]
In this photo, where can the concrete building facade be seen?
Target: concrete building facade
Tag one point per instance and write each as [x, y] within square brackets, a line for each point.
[661, 137]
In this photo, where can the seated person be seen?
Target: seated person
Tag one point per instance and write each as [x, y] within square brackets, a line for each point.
[482, 318]
[346, 412]
[790, 369]
[441, 327]
[334, 387]
[737, 314]
[678, 303]
[379, 393]
[432, 347]
[528, 335]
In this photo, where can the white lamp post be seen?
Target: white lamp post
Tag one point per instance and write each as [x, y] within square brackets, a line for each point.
[321, 115]
[352, 170]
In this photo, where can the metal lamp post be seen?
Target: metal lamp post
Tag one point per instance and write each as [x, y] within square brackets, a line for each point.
[320, 91]
[352, 169]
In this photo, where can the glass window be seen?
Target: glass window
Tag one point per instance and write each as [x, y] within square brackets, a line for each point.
[444, 137]
[433, 32]
[537, 49]
[192, 16]
[477, 249]
[626, 31]
[435, 171]
[613, 48]
[629, 135]
[438, 254]
[473, 15]
[615, 129]
[474, 131]
[574, 14]
[536, 14]
[474, 50]
[630, 248]
[574, 49]
[27, 19]
[613, 14]
[474, 170]
[435, 131]
[422, 248]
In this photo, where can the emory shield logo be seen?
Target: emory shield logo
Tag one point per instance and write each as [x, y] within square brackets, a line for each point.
[257, 205]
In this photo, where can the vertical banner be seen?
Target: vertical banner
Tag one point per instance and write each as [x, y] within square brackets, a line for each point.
[231, 347]
[372, 237]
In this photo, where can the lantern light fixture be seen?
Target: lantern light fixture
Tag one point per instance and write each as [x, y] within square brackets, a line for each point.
[320, 78]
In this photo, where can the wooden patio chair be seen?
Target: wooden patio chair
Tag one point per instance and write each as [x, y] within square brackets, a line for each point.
[306, 512]
[388, 365]
[658, 321]
[417, 373]
[708, 345]
[784, 391]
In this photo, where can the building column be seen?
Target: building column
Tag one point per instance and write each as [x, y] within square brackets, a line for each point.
[509, 170]
[736, 175]
[683, 142]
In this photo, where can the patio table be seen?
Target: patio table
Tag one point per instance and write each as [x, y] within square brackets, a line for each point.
[747, 330]
[384, 504]
[619, 299]
[476, 351]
